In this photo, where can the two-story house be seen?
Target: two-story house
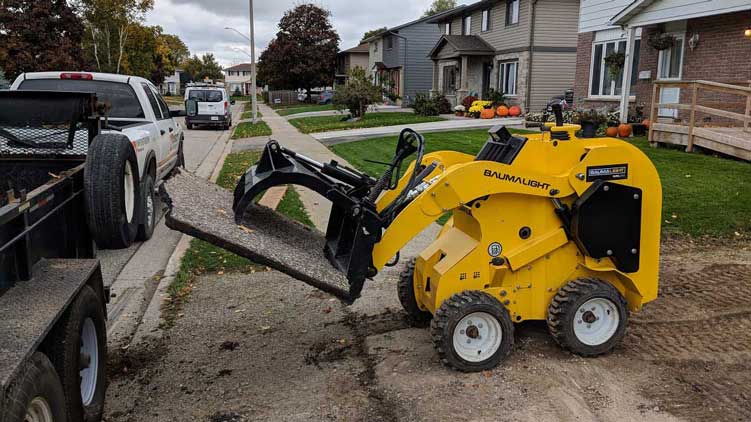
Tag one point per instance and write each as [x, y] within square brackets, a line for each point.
[237, 79]
[349, 59]
[398, 58]
[523, 48]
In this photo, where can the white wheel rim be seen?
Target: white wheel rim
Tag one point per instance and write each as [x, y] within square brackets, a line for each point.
[129, 191]
[89, 361]
[38, 410]
[477, 337]
[596, 321]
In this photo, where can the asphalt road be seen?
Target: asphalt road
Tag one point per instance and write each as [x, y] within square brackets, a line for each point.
[134, 273]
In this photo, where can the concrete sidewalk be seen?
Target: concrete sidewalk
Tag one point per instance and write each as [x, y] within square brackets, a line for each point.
[371, 109]
[334, 137]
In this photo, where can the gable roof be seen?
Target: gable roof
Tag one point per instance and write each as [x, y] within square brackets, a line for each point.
[361, 48]
[465, 45]
[242, 67]
[461, 10]
[426, 19]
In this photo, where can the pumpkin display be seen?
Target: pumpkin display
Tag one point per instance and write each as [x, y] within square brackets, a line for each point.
[514, 111]
[487, 113]
[502, 111]
[624, 130]
[646, 123]
[611, 132]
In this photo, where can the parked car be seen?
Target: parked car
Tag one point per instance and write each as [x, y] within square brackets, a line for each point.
[141, 139]
[326, 97]
[208, 105]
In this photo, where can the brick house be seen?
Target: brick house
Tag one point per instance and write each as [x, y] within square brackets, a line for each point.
[710, 43]
[524, 48]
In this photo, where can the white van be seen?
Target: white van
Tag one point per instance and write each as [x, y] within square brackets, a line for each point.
[208, 105]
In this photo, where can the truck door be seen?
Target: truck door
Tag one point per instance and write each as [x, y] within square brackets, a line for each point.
[165, 130]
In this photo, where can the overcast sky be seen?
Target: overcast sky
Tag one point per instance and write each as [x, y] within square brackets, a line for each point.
[200, 23]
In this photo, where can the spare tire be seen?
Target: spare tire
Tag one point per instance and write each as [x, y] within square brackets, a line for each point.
[113, 191]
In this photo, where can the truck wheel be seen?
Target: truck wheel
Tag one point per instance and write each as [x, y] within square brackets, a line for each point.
[588, 317]
[406, 291]
[148, 211]
[36, 395]
[112, 186]
[79, 354]
[472, 331]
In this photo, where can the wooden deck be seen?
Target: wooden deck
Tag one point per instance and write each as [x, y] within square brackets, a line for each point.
[725, 140]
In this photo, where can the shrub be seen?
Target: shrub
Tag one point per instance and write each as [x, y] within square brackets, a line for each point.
[237, 92]
[467, 101]
[357, 94]
[424, 105]
[444, 106]
[496, 98]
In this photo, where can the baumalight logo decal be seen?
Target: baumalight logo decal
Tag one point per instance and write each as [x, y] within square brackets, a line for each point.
[517, 179]
[612, 172]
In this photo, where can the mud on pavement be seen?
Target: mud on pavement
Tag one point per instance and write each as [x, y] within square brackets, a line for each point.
[265, 347]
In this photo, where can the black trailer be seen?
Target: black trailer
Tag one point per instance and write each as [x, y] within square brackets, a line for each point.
[53, 342]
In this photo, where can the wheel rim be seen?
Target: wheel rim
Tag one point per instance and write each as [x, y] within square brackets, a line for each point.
[38, 410]
[89, 361]
[596, 321]
[129, 191]
[477, 337]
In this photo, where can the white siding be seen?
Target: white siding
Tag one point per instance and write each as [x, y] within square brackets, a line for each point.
[594, 15]
[672, 10]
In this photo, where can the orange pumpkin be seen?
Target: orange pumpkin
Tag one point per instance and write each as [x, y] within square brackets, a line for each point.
[487, 113]
[624, 130]
[646, 123]
[514, 111]
[611, 132]
[502, 111]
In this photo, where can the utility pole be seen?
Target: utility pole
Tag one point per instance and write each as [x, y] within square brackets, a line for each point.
[254, 100]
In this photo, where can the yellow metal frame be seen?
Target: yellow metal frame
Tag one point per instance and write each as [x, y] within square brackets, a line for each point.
[491, 202]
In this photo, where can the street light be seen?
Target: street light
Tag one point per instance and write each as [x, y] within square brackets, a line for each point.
[251, 40]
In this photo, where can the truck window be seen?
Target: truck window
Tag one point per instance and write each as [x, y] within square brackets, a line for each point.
[206, 96]
[163, 105]
[120, 96]
[152, 101]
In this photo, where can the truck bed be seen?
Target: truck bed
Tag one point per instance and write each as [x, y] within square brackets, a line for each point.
[204, 210]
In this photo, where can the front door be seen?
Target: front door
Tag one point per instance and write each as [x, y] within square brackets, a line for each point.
[487, 70]
[670, 68]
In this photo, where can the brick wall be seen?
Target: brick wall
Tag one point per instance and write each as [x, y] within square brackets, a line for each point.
[583, 63]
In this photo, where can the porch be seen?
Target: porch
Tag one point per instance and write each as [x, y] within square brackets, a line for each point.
[711, 115]
[462, 66]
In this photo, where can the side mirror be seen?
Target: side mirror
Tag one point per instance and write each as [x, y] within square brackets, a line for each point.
[176, 112]
[232, 102]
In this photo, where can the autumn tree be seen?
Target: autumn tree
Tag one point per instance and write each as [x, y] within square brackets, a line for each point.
[109, 24]
[200, 68]
[440, 6]
[303, 53]
[39, 35]
[373, 32]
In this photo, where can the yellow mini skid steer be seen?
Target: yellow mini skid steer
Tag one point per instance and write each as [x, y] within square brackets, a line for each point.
[544, 227]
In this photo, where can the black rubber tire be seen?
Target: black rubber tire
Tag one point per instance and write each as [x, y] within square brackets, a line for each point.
[406, 291]
[37, 378]
[104, 187]
[562, 313]
[66, 355]
[189, 126]
[148, 222]
[450, 314]
[180, 155]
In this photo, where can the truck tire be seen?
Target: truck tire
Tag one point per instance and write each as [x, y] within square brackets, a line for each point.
[36, 394]
[82, 333]
[406, 292]
[112, 187]
[149, 201]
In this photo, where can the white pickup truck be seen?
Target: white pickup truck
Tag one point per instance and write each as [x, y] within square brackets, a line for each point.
[138, 146]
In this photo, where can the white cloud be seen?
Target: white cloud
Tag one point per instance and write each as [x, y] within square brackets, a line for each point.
[200, 23]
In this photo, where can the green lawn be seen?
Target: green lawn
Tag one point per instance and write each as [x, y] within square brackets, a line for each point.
[203, 258]
[250, 130]
[703, 195]
[302, 108]
[248, 112]
[327, 123]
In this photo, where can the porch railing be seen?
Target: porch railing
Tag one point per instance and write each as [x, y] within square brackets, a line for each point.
[694, 88]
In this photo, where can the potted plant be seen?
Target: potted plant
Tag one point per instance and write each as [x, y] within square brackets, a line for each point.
[459, 110]
[589, 120]
[615, 61]
[636, 118]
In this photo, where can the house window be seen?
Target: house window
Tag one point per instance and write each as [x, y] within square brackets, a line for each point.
[375, 46]
[389, 43]
[467, 25]
[448, 28]
[486, 20]
[512, 12]
[449, 80]
[507, 76]
[670, 61]
[601, 82]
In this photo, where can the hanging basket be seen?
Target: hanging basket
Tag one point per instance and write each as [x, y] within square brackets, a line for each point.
[615, 61]
[660, 41]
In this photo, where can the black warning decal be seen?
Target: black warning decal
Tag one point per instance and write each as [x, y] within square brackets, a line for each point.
[612, 172]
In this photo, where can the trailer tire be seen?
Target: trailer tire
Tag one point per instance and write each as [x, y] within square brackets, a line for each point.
[149, 200]
[71, 337]
[406, 291]
[36, 389]
[112, 187]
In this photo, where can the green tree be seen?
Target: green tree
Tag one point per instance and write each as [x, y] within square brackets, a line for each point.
[357, 94]
[176, 50]
[303, 53]
[373, 32]
[108, 27]
[200, 68]
[39, 35]
[439, 6]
